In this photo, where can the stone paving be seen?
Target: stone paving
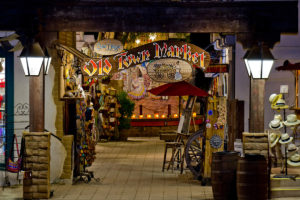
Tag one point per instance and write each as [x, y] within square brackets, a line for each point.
[128, 171]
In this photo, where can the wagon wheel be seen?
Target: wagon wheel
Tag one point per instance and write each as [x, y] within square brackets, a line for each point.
[171, 75]
[159, 75]
[194, 153]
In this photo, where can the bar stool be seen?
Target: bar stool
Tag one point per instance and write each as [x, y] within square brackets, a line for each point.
[177, 155]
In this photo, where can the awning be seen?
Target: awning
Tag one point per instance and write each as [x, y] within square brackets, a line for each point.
[181, 88]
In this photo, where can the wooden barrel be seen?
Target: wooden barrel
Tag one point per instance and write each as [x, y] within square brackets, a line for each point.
[252, 177]
[223, 175]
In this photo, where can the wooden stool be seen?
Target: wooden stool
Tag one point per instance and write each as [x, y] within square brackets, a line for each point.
[177, 155]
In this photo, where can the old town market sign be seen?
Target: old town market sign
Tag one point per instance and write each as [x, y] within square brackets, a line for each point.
[152, 52]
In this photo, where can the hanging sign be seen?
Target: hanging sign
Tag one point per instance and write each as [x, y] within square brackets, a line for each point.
[189, 53]
[169, 70]
[108, 47]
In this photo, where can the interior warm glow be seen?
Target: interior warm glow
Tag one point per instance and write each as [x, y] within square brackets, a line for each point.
[34, 64]
[163, 116]
[152, 36]
[175, 116]
[194, 114]
[133, 116]
[141, 116]
[138, 41]
[156, 116]
[149, 116]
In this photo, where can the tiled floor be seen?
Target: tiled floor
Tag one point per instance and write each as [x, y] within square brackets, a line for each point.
[129, 171]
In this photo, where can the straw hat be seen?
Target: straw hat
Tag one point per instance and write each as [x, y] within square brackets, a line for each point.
[280, 104]
[278, 117]
[285, 138]
[272, 98]
[275, 124]
[291, 120]
[294, 160]
[273, 139]
[292, 149]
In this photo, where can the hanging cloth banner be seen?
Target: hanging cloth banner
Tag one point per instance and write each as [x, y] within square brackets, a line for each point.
[190, 53]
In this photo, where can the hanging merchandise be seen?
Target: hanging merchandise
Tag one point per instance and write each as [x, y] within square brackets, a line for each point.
[14, 166]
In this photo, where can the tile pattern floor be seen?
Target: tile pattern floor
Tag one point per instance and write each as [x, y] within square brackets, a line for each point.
[128, 171]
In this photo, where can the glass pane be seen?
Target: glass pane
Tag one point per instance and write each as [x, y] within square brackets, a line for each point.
[2, 110]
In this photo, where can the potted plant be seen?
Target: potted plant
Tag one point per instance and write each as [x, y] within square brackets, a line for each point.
[126, 110]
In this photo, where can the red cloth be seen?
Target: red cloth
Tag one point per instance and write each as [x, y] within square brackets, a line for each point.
[181, 88]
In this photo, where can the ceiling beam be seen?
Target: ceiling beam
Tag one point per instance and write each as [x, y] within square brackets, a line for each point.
[150, 16]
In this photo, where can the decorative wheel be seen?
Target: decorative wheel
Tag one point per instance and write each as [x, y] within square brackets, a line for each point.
[194, 153]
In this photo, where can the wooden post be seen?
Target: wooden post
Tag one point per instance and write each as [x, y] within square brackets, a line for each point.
[257, 95]
[296, 88]
[36, 103]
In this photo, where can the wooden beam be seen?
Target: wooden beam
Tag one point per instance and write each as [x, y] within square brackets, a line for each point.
[150, 16]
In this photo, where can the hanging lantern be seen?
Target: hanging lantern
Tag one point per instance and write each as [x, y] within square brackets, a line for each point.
[259, 61]
[32, 57]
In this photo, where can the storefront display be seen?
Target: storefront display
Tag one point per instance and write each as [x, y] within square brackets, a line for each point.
[277, 139]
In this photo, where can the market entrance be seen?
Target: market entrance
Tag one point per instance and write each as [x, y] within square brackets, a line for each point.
[106, 91]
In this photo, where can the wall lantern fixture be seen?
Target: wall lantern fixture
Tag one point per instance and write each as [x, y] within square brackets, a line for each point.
[259, 61]
[32, 58]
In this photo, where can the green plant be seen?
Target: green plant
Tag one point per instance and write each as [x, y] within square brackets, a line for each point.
[126, 110]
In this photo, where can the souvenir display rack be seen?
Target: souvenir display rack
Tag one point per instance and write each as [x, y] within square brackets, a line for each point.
[109, 113]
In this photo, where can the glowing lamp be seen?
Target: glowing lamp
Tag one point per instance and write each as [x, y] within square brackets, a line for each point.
[32, 57]
[133, 116]
[141, 116]
[163, 116]
[194, 114]
[259, 61]
[156, 116]
[175, 115]
[152, 36]
[149, 116]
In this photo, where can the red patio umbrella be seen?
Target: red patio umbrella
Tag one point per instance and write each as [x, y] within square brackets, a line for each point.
[181, 88]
